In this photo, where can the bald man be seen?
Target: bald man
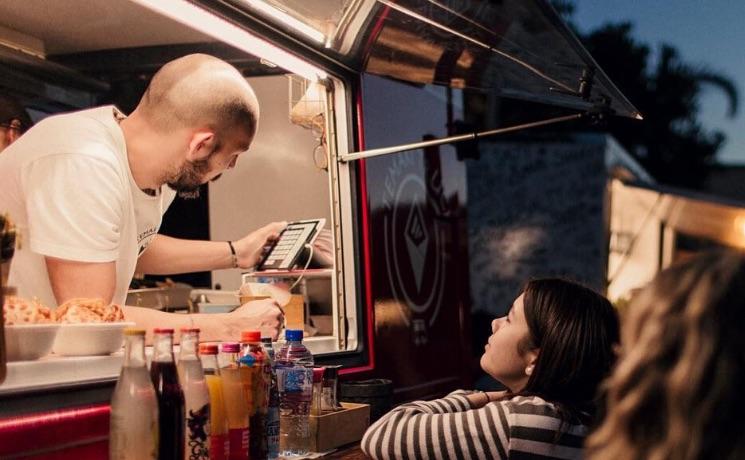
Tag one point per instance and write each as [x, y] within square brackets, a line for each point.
[88, 189]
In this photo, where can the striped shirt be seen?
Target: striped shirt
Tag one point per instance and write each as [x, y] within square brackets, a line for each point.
[524, 427]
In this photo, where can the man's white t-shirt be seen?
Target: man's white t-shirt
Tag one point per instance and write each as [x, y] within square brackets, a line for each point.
[67, 185]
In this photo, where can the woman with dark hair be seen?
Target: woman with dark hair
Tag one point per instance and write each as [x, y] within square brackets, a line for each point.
[677, 392]
[551, 351]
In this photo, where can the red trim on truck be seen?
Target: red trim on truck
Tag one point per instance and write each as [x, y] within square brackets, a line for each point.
[81, 433]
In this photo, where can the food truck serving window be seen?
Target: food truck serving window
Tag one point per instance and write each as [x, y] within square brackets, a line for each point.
[70, 55]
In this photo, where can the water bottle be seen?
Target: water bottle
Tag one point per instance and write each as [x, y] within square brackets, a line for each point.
[196, 396]
[272, 413]
[295, 382]
[134, 405]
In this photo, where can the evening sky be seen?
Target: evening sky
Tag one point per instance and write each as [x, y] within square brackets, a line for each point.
[710, 33]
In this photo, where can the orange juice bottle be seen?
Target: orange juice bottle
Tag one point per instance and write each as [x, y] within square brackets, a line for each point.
[218, 441]
[236, 403]
[253, 358]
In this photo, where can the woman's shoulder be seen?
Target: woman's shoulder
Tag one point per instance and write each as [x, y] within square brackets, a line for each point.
[536, 411]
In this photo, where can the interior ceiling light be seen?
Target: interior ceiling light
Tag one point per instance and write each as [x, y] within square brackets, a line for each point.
[203, 21]
[286, 19]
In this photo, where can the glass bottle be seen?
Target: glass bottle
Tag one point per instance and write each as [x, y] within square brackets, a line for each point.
[219, 445]
[196, 397]
[133, 429]
[170, 397]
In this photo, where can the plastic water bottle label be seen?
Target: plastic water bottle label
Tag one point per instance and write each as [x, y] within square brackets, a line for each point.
[272, 432]
[294, 379]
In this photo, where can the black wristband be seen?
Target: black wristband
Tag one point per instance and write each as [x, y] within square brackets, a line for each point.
[233, 255]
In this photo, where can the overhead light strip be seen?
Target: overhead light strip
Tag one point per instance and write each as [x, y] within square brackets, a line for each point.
[286, 19]
[203, 21]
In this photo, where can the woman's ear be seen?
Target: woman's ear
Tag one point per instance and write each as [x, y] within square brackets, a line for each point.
[531, 358]
[201, 145]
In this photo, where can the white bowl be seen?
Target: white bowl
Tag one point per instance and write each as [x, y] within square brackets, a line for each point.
[89, 339]
[26, 342]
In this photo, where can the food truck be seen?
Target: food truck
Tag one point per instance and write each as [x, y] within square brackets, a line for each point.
[362, 103]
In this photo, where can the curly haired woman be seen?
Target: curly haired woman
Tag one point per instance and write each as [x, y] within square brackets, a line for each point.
[551, 351]
[679, 389]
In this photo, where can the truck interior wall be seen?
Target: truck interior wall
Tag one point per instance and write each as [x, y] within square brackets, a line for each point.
[275, 180]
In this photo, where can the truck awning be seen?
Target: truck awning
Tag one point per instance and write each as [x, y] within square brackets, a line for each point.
[516, 48]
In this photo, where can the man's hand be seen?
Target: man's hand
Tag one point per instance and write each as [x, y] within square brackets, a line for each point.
[252, 247]
[264, 315]
[323, 248]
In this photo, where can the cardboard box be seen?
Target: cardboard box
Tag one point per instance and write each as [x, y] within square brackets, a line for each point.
[336, 429]
[295, 312]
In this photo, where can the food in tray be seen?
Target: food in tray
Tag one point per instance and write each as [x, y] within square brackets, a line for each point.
[83, 310]
[17, 311]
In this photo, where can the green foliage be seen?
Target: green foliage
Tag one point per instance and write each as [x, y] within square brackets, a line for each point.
[670, 142]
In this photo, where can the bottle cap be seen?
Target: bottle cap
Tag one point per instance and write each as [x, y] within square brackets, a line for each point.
[187, 329]
[134, 331]
[294, 335]
[230, 347]
[250, 336]
[163, 330]
[207, 348]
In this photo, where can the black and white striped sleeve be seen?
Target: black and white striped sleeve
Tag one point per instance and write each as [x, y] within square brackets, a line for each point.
[445, 428]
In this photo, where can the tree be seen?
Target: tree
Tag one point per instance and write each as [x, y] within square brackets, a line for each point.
[671, 142]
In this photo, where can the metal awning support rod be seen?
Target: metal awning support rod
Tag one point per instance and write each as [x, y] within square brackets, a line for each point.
[459, 138]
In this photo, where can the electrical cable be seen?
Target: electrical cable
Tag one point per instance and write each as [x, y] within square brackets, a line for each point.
[307, 263]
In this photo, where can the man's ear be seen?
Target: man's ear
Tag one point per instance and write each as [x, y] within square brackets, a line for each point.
[201, 145]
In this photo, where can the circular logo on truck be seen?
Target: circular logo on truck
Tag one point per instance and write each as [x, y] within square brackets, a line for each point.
[414, 238]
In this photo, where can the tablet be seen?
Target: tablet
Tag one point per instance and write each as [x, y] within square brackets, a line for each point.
[290, 244]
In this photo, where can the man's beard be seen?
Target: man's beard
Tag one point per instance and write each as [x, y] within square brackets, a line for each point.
[187, 181]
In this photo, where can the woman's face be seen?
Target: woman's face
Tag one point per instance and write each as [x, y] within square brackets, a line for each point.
[502, 358]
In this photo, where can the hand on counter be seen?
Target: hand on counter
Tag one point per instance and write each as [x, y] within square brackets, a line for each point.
[252, 247]
[264, 315]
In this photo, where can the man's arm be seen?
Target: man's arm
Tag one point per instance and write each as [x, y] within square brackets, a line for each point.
[70, 279]
[166, 255]
[259, 315]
